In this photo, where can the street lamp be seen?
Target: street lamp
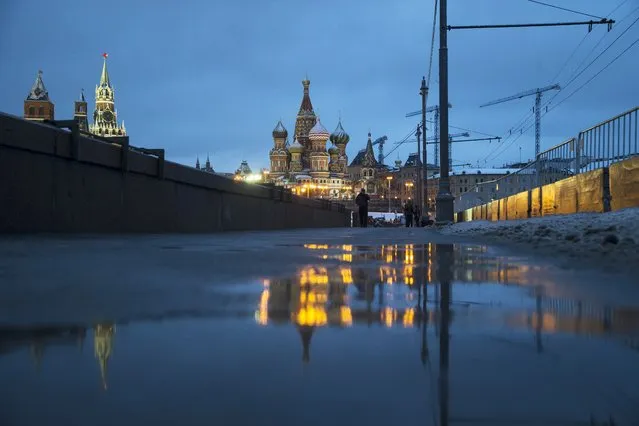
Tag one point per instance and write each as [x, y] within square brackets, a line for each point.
[389, 178]
[409, 188]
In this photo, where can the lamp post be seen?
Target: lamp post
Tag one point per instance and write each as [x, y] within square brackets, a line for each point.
[420, 181]
[444, 198]
[423, 91]
[389, 178]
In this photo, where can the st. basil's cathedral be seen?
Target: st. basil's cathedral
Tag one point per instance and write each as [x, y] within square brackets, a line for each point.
[307, 166]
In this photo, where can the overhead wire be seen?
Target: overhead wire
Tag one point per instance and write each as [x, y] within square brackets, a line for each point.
[563, 8]
[576, 74]
[507, 146]
[573, 75]
[595, 76]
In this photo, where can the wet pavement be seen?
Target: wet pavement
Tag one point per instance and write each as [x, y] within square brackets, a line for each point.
[372, 327]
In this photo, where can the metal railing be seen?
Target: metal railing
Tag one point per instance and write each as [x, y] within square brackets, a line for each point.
[609, 142]
[599, 146]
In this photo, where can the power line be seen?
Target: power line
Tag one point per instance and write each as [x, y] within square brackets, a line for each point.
[565, 99]
[601, 53]
[573, 76]
[567, 10]
[528, 116]
[616, 8]
[594, 76]
[467, 130]
[569, 59]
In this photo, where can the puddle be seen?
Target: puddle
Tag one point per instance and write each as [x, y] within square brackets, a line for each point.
[377, 335]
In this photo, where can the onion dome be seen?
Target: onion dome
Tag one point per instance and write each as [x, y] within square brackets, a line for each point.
[296, 147]
[280, 131]
[339, 136]
[333, 149]
[318, 131]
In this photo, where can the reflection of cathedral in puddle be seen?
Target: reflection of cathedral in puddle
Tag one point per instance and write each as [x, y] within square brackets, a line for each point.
[319, 296]
[103, 347]
[384, 285]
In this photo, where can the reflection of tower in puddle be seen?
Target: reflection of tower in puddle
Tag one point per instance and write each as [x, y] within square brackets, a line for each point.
[445, 262]
[103, 347]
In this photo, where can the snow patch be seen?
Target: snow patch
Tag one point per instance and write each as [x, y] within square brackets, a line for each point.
[611, 240]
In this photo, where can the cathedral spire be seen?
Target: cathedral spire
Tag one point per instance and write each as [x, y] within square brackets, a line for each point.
[104, 78]
[306, 106]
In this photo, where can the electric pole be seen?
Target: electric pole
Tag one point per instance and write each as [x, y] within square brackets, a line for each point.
[444, 207]
[420, 181]
[423, 90]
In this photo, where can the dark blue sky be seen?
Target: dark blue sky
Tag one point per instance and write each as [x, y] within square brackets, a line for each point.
[215, 76]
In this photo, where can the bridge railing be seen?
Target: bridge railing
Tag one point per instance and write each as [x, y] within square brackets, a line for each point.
[599, 146]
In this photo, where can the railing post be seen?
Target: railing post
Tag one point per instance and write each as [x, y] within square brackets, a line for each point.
[578, 143]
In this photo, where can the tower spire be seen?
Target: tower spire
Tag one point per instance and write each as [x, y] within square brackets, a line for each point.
[82, 95]
[104, 78]
[38, 91]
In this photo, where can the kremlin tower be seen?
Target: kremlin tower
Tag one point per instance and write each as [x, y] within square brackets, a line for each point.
[80, 113]
[37, 105]
[103, 346]
[105, 116]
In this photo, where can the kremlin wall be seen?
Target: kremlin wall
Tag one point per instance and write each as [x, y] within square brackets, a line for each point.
[72, 176]
[311, 173]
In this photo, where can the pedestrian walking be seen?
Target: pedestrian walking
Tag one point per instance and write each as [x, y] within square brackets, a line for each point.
[362, 200]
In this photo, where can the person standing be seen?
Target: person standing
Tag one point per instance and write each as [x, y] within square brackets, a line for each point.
[417, 216]
[362, 200]
[408, 213]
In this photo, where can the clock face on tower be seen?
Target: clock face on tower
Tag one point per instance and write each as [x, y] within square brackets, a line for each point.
[107, 116]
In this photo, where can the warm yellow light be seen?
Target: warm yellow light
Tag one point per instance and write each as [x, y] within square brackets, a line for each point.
[261, 316]
[388, 316]
[311, 315]
[347, 247]
[409, 317]
[347, 275]
[312, 277]
[389, 177]
[316, 246]
[345, 316]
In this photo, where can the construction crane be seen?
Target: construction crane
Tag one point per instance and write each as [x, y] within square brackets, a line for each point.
[435, 140]
[380, 149]
[435, 109]
[538, 93]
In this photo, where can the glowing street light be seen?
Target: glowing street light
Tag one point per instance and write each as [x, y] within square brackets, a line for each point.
[389, 179]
